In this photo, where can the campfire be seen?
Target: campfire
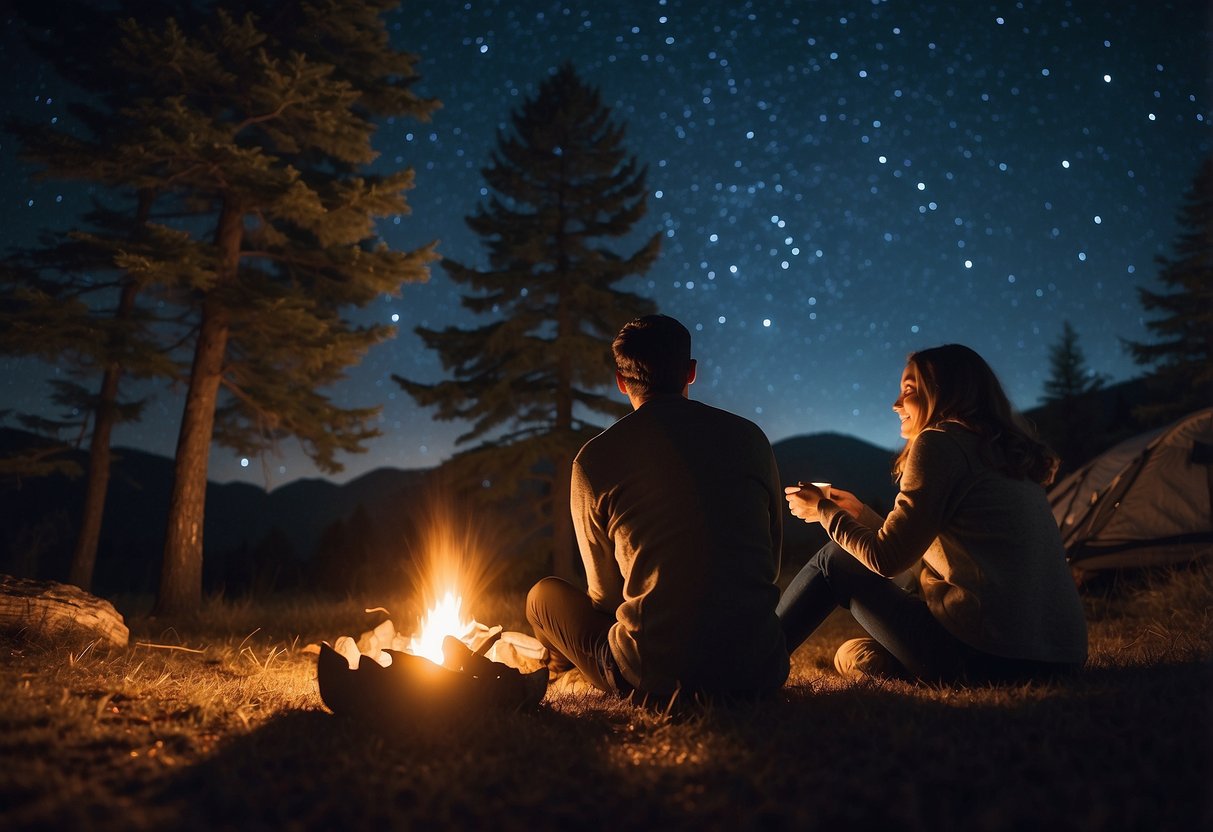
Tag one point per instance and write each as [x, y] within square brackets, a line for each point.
[441, 621]
[451, 661]
[448, 669]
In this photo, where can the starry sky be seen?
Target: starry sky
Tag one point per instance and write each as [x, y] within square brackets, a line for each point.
[836, 184]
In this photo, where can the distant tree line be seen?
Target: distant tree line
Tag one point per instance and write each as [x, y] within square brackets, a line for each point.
[255, 544]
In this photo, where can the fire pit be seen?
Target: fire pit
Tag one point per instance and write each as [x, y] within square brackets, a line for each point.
[449, 667]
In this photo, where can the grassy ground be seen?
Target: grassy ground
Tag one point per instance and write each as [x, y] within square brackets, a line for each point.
[230, 733]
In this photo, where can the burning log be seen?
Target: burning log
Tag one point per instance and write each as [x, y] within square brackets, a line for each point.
[51, 610]
[519, 650]
[381, 640]
[414, 689]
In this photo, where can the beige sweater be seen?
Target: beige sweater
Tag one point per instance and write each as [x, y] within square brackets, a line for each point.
[993, 568]
[678, 514]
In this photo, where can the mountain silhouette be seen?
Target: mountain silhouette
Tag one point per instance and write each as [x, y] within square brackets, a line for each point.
[41, 513]
[38, 524]
[842, 460]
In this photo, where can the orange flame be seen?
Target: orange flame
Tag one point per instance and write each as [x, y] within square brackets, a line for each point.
[451, 566]
[441, 620]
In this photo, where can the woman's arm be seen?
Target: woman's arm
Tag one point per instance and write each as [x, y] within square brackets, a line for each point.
[803, 501]
[929, 483]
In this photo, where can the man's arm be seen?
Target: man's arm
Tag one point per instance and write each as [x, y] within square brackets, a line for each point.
[603, 578]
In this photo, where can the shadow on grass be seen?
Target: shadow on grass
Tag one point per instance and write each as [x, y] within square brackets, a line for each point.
[1114, 748]
[309, 769]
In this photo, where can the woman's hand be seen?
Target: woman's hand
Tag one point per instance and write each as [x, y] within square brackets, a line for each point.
[847, 501]
[804, 498]
[802, 501]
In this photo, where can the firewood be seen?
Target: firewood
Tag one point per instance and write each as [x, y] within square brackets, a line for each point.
[51, 610]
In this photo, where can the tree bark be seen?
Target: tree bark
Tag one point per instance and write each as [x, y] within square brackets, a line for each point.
[181, 571]
[84, 555]
[180, 589]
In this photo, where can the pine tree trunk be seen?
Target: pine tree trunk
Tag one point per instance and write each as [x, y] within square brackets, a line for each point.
[84, 555]
[181, 571]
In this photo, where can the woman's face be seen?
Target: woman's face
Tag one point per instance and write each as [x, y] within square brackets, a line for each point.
[910, 405]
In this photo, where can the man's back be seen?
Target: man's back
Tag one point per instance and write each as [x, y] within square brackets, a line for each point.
[683, 499]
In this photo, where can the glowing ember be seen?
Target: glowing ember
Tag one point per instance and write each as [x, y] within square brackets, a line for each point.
[441, 620]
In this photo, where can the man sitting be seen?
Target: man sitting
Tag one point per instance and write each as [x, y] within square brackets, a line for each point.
[678, 514]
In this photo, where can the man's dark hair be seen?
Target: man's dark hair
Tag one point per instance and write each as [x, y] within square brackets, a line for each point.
[653, 354]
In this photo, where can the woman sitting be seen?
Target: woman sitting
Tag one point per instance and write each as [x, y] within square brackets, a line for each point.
[996, 599]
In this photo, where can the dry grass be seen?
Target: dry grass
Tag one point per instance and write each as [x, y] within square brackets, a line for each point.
[230, 733]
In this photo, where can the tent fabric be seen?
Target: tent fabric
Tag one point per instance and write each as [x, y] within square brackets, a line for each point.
[1145, 502]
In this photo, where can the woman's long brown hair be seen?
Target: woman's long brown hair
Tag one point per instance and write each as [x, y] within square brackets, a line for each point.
[957, 385]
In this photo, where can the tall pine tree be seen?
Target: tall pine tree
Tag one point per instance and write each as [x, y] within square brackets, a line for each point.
[254, 142]
[1069, 377]
[70, 304]
[1070, 418]
[563, 189]
[68, 300]
[271, 138]
[1182, 354]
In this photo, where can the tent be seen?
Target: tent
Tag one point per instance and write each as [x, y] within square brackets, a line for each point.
[1145, 502]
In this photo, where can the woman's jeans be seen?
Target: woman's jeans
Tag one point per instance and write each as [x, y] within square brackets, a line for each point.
[898, 620]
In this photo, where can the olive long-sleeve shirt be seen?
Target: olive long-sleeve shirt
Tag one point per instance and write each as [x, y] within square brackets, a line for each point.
[678, 515]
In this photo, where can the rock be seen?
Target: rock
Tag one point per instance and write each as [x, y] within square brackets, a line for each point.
[47, 609]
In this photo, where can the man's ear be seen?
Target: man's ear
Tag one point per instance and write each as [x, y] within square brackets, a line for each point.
[621, 382]
[691, 372]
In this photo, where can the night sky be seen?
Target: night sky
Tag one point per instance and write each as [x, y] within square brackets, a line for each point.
[836, 184]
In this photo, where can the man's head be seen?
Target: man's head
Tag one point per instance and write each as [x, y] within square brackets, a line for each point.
[653, 357]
